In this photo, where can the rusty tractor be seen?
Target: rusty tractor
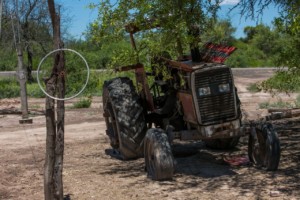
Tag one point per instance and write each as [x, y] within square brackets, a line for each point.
[198, 102]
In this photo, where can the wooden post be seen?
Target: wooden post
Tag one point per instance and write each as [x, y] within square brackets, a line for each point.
[23, 91]
[22, 79]
[21, 75]
[53, 184]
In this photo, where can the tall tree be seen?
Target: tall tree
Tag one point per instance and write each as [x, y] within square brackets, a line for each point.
[21, 75]
[34, 28]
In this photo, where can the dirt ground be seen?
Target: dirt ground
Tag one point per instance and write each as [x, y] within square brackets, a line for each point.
[90, 172]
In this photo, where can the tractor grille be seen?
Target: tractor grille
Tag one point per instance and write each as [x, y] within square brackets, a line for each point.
[217, 106]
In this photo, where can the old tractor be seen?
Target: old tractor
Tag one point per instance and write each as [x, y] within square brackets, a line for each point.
[198, 102]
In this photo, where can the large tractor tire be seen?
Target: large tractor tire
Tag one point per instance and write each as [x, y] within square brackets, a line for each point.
[264, 147]
[124, 117]
[224, 143]
[159, 159]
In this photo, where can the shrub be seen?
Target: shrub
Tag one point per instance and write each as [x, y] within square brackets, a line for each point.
[297, 102]
[33, 90]
[253, 88]
[278, 104]
[283, 81]
[9, 88]
[83, 103]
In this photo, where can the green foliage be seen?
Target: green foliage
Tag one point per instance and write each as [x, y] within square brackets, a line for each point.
[102, 55]
[297, 102]
[248, 55]
[263, 38]
[107, 44]
[97, 80]
[265, 47]
[221, 32]
[83, 103]
[285, 43]
[8, 60]
[158, 19]
[253, 88]
[35, 33]
[283, 81]
[33, 90]
[9, 88]
[278, 104]
[95, 84]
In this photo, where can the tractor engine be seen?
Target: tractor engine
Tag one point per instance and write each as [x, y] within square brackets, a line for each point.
[204, 100]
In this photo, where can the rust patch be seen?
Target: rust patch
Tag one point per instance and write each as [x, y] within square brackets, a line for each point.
[188, 107]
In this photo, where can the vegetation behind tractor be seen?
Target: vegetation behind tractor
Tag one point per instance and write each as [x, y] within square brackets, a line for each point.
[195, 100]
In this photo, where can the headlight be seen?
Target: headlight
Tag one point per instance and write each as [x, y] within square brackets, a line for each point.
[203, 91]
[224, 87]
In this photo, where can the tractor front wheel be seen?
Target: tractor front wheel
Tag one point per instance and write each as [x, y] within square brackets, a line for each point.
[159, 159]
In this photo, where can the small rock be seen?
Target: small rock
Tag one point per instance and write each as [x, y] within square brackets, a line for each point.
[274, 193]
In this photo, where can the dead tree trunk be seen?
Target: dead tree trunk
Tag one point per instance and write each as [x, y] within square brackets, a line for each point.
[53, 184]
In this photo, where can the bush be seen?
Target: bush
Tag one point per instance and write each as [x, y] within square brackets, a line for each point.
[283, 81]
[9, 88]
[97, 78]
[33, 90]
[278, 104]
[83, 103]
[8, 61]
[253, 88]
[297, 102]
[248, 55]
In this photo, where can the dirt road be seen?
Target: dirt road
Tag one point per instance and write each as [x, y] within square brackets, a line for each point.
[91, 171]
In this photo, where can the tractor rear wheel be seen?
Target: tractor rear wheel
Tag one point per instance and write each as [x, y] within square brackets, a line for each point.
[159, 159]
[124, 117]
[264, 147]
[224, 143]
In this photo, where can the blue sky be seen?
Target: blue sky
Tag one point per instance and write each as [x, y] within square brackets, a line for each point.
[240, 22]
[81, 16]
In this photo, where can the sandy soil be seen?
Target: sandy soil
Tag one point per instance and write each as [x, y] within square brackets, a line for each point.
[90, 172]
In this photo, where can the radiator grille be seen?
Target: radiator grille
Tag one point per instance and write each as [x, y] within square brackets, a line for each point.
[217, 106]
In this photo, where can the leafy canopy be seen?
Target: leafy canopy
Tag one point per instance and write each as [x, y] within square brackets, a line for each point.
[166, 25]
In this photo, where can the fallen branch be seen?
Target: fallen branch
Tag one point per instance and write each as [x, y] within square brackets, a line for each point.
[13, 111]
[10, 112]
